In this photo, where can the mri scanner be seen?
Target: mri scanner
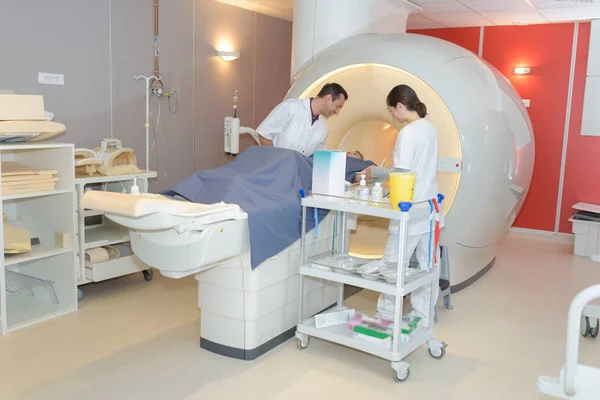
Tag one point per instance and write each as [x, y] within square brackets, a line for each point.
[486, 147]
[486, 156]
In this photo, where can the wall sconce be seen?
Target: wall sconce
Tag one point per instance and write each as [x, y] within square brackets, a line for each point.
[522, 70]
[229, 55]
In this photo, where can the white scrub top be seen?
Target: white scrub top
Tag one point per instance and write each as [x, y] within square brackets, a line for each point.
[290, 126]
[416, 149]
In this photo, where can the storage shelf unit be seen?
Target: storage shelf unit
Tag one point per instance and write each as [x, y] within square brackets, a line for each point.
[406, 282]
[39, 284]
[94, 230]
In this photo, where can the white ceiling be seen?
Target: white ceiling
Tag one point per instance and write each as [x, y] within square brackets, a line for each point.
[458, 13]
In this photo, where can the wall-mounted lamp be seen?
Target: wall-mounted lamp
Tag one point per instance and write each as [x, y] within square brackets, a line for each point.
[522, 70]
[229, 55]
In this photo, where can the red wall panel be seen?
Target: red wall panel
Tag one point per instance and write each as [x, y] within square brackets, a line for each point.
[547, 50]
[583, 161]
[464, 37]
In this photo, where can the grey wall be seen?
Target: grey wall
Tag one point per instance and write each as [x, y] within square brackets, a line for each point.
[91, 41]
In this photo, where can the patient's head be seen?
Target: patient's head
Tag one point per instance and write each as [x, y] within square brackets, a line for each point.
[355, 154]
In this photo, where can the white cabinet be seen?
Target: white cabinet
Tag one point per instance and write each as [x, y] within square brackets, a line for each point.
[37, 284]
[113, 256]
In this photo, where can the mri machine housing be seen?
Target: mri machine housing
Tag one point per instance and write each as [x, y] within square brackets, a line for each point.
[486, 147]
[482, 123]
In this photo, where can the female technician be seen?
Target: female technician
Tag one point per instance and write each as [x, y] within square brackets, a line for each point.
[416, 150]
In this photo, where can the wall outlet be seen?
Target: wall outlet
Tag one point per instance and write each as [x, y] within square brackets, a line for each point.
[46, 78]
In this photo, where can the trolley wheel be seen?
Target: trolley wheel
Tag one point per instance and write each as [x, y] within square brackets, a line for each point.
[402, 375]
[303, 344]
[148, 274]
[585, 326]
[438, 352]
[79, 294]
[594, 331]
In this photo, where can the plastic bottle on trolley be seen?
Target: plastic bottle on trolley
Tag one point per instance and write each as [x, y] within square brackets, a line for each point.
[363, 191]
[377, 193]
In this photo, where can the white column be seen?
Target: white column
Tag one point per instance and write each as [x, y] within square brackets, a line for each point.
[320, 23]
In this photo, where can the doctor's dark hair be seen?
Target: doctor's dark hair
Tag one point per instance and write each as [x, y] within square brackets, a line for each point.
[334, 89]
[408, 97]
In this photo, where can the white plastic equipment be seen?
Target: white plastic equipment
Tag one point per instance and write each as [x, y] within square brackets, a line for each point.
[587, 233]
[232, 131]
[578, 382]
[245, 312]
[486, 147]
[341, 334]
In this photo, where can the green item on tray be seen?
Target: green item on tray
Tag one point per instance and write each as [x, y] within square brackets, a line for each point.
[373, 331]
[409, 325]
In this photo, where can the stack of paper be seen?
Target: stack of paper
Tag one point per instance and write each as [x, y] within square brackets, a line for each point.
[18, 179]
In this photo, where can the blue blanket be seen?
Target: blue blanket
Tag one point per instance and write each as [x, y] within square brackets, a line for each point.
[265, 182]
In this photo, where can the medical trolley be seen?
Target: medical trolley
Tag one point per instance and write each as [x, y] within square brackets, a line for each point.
[405, 282]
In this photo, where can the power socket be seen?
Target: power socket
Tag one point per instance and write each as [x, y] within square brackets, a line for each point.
[156, 91]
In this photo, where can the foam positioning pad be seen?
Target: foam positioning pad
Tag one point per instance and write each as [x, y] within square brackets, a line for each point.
[21, 107]
[47, 129]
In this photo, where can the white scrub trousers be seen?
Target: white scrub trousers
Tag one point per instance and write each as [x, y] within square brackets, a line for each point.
[419, 298]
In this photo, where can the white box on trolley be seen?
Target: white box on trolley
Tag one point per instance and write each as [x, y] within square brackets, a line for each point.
[329, 173]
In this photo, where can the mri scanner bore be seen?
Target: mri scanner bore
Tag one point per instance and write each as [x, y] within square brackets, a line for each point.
[486, 147]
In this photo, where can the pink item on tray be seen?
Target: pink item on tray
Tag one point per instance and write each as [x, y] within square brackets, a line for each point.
[359, 318]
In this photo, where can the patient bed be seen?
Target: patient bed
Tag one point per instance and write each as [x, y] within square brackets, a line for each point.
[248, 305]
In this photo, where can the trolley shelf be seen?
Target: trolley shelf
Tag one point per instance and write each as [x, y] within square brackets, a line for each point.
[341, 334]
[382, 210]
[380, 286]
[105, 235]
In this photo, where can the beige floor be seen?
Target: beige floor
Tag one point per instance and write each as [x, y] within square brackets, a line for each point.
[136, 340]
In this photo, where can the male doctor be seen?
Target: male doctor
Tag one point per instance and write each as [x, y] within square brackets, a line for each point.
[297, 125]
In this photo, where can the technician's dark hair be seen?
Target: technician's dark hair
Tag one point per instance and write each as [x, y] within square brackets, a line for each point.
[334, 89]
[406, 95]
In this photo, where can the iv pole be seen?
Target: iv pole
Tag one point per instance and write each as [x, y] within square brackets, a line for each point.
[147, 125]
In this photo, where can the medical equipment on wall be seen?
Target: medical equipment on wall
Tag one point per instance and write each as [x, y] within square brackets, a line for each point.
[232, 131]
[576, 381]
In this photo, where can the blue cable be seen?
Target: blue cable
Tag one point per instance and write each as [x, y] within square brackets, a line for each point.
[316, 216]
[431, 209]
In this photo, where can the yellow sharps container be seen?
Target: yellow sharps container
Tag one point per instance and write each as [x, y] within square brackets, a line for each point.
[402, 186]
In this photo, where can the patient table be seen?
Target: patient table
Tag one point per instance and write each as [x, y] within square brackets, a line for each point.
[245, 312]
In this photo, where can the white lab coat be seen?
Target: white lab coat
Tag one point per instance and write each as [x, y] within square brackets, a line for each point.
[416, 150]
[290, 126]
